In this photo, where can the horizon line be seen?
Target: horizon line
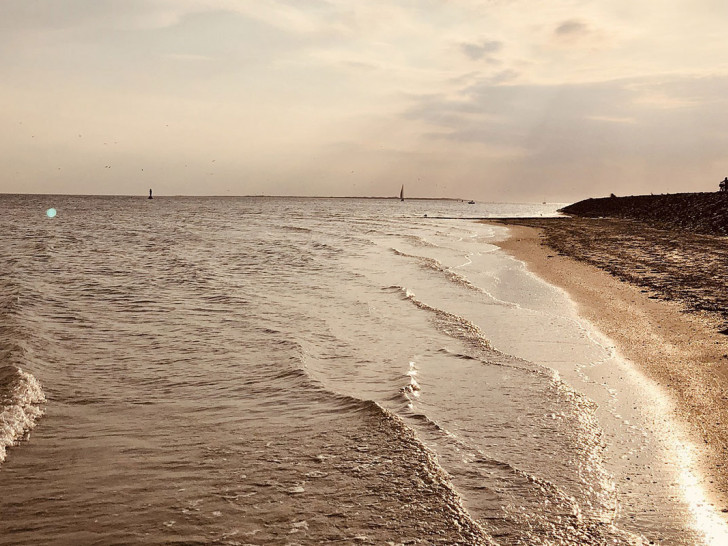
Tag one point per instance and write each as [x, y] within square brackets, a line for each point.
[145, 196]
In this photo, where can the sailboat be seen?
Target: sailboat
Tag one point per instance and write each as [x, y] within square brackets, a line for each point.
[401, 193]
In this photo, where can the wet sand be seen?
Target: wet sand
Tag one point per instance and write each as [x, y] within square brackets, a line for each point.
[659, 295]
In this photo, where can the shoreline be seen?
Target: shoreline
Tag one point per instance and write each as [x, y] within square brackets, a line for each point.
[657, 335]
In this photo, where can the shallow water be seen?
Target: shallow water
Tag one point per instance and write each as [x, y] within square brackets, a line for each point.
[272, 371]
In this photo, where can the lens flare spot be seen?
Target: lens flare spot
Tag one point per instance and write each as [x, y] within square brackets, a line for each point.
[51, 213]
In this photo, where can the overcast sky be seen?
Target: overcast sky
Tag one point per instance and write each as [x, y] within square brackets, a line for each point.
[498, 100]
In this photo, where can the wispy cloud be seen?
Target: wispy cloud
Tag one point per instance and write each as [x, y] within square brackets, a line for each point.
[481, 50]
[571, 28]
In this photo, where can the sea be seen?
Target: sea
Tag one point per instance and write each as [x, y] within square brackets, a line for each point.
[260, 370]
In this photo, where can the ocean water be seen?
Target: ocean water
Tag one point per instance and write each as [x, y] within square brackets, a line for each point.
[306, 371]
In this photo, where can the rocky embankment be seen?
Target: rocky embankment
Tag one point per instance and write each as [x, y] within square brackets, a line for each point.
[705, 213]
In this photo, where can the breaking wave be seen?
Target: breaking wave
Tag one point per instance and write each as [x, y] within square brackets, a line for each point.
[21, 399]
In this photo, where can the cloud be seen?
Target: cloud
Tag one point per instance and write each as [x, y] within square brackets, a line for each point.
[72, 15]
[478, 51]
[577, 33]
[490, 112]
[504, 76]
[571, 28]
[588, 131]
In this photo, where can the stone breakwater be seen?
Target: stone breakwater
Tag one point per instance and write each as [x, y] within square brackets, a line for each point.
[704, 213]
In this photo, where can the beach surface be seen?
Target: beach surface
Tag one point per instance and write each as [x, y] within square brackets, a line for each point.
[660, 296]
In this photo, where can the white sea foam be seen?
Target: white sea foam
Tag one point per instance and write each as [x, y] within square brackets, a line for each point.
[21, 397]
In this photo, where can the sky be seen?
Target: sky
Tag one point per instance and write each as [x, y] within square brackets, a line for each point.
[493, 100]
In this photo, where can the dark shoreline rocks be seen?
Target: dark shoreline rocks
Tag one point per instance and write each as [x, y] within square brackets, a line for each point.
[704, 213]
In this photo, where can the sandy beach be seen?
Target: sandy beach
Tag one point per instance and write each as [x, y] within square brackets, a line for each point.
[660, 296]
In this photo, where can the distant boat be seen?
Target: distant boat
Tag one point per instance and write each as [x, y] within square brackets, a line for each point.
[401, 193]
[471, 202]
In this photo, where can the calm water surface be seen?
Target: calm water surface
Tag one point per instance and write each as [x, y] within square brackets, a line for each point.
[303, 371]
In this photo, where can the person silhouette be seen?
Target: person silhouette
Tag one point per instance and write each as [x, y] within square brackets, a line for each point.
[724, 184]
[150, 193]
